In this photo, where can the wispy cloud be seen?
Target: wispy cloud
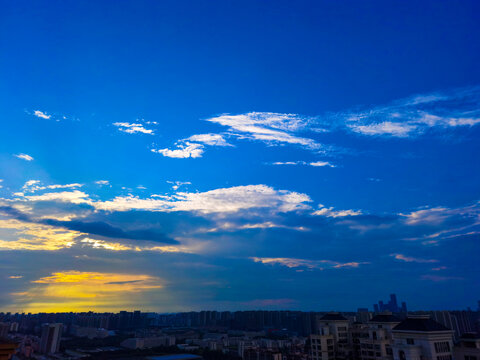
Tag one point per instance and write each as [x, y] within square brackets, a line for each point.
[183, 151]
[226, 200]
[321, 164]
[438, 215]
[305, 263]
[269, 127]
[385, 128]
[411, 259]
[330, 212]
[437, 278]
[41, 114]
[25, 157]
[313, 163]
[74, 197]
[34, 185]
[102, 182]
[413, 116]
[209, 139]
[132, 128]
[177, 184]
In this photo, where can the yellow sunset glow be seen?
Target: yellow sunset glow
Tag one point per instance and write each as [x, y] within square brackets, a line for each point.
[83, 291]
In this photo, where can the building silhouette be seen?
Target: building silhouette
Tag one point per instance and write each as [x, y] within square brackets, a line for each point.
[50, 338]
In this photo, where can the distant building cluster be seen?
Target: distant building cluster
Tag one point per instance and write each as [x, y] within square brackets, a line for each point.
[244, 335]
[391, 305]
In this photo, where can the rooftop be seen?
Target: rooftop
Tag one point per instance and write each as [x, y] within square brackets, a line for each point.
[175, 357]
[333, 317]
[420, 324]
[385, 318]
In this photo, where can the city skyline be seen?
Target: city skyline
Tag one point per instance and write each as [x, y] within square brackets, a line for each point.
[178, 156]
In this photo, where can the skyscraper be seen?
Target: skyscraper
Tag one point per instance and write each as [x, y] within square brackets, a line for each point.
[50, 340]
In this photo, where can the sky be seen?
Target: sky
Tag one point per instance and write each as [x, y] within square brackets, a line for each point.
[235, 155]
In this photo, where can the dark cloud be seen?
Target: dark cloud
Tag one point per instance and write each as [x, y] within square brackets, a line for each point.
[109, 231]
[99, 228]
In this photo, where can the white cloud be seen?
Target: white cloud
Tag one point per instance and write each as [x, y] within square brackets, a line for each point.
[33, 185]
[75, 197]
[413, 116]
[24, 157]
[329, 212]
[402, 257]
[294, 263]
[187, 150]
[273, 128]
[288, 162]
[314, 163]
[230, 226]
[209, 139]
[102, 182]
[132, 128]
[438, 215]
[222, 200]
[1, 180]
[321, 163]
[177, 184]
[385, 128]
[41, 114]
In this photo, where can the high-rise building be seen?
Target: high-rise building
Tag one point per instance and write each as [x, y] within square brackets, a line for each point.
[391, 305]
[468, 348]
[377, 340]
[332, 341]
[419, 337]
[4, 328]
[50, 339]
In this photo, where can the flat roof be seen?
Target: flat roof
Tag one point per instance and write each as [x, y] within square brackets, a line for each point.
[175, 357]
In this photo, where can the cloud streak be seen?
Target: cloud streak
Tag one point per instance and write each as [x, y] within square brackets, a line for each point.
[41, 114]
[293, 263]
[411, 259]
[183, 151]
[25, 157]
[132, 128]
[269, 127]
[415, 115]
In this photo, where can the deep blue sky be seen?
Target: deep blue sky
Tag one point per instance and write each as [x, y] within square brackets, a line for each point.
[239, 154]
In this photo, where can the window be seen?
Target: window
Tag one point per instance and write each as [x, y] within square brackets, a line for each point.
[410, 341]
[401, 355]
[470, 357]
[374, 334]
[444, 357]
[442, 347]
[342, 328]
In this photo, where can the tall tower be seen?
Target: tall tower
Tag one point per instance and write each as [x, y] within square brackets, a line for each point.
[50, 340]
[393, 303]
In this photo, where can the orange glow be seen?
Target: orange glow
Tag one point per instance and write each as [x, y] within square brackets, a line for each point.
[83, 291]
